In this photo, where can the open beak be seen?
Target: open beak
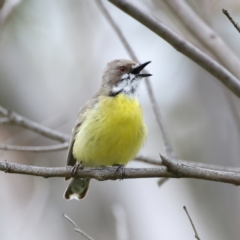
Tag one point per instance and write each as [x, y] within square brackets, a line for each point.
[139, 68]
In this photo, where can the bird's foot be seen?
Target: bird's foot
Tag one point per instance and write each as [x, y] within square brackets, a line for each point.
[7, 167]
[76, 167]
[120, 167]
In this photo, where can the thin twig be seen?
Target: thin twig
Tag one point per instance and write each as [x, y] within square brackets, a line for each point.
[168, 148]
[181, 45]
[161, 181]
[110, 173]
[235, 24]
[194, 229]
[76, 228]
[52, 148]
[18, 120]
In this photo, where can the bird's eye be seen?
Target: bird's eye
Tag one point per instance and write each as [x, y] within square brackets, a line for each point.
[122, 69]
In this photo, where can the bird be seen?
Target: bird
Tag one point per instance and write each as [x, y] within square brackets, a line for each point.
[110, 127]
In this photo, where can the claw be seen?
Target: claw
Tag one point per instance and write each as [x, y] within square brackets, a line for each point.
[76, 167]
[120, 167]
[7, 167]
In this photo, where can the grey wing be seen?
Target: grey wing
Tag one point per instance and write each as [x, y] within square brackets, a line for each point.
[71, 161]
[70, 158]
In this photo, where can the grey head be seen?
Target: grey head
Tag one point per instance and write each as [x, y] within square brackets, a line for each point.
[122, 76]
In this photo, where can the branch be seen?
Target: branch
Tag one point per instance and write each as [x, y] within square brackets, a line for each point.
[112, 173]
[156, 162]
[168, 147]
[10, 117]
[194, 229]
[76, 228]
[231, 20]
[181, 45]
[51, 148]
[207, 36]
[100, 173]
[182, 170]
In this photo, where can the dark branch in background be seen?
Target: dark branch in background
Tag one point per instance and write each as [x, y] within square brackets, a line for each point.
[181, 45]
[194, 229]
[111, 173]
[10, 117]
[76, 228]
[18, 120]
[51, 148]
[231, 20]
[168, 147]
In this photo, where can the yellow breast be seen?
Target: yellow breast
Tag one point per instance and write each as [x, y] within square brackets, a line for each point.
[112, 132]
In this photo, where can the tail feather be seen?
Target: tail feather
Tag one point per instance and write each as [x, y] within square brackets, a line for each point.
[77, 189]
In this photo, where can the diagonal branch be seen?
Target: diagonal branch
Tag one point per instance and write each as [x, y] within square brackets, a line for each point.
[13, 118]
[231, 20]
[206, 35]
[191, 221]
[76, 228]
[181, 45]
[168, 147]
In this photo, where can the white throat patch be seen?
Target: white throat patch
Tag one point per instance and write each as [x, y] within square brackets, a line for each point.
[128, 85]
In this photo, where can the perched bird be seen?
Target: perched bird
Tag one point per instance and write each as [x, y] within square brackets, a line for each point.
[110, 128]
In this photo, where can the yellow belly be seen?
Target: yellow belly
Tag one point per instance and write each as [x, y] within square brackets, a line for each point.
[112, 132]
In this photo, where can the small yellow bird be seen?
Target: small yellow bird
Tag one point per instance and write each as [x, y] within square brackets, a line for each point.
[110, 128]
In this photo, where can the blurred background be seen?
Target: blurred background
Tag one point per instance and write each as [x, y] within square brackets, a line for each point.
[52, 55]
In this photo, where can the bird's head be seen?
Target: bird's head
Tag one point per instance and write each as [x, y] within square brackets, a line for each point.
[123, 76]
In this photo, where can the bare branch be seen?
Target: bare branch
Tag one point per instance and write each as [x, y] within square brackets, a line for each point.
[76, 228]
[168, 147]
[180, 170]
[18, 120]
[235, 24]
[208, 37]
[111, 173]
[195, 231]
[157, 162]
[51, 148]
[181, 45]
[100, 173]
